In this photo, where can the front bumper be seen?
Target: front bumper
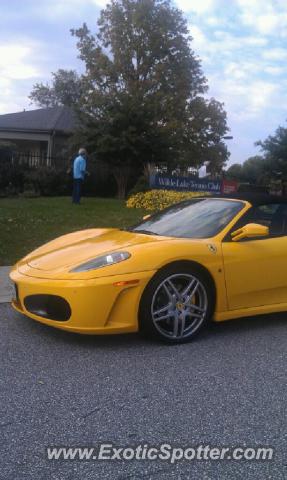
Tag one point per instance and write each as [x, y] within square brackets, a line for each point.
[99, 306]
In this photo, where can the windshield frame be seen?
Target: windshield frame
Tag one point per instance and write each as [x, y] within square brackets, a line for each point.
[237, 214]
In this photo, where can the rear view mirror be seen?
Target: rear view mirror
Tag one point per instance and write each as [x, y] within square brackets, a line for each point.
[251, 230]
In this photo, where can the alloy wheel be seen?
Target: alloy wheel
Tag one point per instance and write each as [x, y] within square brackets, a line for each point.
[179, 306]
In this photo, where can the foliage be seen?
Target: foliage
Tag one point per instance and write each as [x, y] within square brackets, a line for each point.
[12, 177]
[142, 98]
[142, 185]
[205, 127]
[65, 89]
[253, 171]
[18, 178]
[29, 181]
[267, 168]
[234, 172]
[154, 200]
[100, 182]
[274, 150]
[48, 181]
[26, 223]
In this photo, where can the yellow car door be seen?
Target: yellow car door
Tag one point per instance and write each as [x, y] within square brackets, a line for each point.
[256, 268]
[255, 272]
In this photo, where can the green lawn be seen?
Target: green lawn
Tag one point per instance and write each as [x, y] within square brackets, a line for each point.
[27, 223]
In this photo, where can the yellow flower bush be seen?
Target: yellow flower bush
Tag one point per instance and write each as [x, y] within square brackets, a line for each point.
[154, 200]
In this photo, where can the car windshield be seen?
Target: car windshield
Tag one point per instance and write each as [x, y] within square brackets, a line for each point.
[200, 218]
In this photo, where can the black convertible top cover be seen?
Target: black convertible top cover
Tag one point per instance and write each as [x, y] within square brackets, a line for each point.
[256, 199]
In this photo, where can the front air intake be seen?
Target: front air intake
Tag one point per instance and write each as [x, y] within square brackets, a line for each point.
[51, 307]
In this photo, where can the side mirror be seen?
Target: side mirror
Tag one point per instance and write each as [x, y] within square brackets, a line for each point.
[251, 230]
[146, 217]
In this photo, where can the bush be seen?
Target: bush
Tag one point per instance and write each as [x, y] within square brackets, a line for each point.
[12, 178]
[48, 181]
[100, 182]
[154, 200]
[142, 185]
[52, 181]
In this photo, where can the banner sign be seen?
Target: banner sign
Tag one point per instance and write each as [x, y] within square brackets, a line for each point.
[169, 182]
[229, 186]
[190, 184]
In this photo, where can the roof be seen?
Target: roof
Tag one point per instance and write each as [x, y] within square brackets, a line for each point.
[61, 119]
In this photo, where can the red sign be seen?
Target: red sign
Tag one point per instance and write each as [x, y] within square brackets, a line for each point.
[228, 186]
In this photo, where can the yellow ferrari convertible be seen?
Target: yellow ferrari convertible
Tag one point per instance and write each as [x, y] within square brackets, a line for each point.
[211, 258]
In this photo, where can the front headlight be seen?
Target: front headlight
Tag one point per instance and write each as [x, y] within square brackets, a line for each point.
[102, 261]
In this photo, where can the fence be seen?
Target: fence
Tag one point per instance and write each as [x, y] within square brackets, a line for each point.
[31, 159]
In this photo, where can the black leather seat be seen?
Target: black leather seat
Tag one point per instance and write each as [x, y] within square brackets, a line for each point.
[278, 224]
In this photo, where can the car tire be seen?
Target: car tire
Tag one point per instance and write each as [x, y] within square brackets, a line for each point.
[177, 303]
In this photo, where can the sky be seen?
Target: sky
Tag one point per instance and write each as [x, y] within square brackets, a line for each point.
[241, 43]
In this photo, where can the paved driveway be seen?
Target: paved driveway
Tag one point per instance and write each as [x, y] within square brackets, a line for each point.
[226, 388]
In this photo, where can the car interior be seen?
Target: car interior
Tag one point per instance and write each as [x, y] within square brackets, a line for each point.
[273, 216]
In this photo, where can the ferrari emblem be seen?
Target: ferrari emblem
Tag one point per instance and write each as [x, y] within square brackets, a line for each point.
[180, 306]
[212, 248]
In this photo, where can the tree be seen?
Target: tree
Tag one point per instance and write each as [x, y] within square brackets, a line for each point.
[271, 165]
[274, 150]
[234, 172]
[142, 99]
[65, 89]
[205, 126]
[253, 171]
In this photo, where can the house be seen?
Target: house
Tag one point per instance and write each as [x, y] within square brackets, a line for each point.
[36, 137]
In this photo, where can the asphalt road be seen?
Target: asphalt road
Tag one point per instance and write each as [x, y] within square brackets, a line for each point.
[226, 388]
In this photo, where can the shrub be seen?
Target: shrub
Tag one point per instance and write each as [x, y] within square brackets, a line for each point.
[56, 180]
[142, 185]
[154, 200]
[48, 181]
[11, 178]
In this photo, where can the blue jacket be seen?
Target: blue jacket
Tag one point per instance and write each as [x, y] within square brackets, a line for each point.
[79, 168]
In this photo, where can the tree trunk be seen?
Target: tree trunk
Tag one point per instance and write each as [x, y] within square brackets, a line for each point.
[121, 175]
[149, 169]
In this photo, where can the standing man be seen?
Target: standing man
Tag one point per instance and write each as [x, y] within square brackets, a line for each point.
[79, 171]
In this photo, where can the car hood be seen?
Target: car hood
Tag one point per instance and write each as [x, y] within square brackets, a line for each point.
[70, 250]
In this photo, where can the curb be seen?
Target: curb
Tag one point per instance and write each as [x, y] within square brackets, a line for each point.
[6, 286]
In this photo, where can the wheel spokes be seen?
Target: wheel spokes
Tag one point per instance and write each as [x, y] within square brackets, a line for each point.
[198, 309]
[174, 289]
[189, 295]
[195, 315]
[175, 326]
[182, 326]
[163, 309]
[192, 283]
[177, 317]
[163, 317]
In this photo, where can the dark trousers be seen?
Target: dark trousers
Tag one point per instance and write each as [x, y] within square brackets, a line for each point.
[77, 189]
